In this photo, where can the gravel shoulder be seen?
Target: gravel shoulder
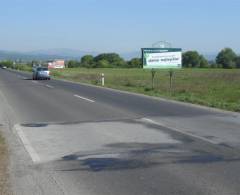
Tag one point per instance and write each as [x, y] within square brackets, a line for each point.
[4, 176]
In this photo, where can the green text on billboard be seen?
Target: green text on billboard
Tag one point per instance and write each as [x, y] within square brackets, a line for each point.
[154, 58]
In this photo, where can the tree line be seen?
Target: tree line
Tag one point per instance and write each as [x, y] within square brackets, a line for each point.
[106, 60]
[226, 58]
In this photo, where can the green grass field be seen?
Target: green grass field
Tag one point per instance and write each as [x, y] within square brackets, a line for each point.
[218, 88]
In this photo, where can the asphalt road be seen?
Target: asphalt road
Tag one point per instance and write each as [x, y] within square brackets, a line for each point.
[68, 138]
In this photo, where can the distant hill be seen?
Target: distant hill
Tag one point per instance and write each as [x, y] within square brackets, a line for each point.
[66, 53]
[69, 54]
[8, 55]
[130, 55]
[210, 56]
[44, 54]
[50, 54]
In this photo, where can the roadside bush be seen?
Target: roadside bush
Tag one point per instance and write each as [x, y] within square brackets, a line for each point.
[23, 67]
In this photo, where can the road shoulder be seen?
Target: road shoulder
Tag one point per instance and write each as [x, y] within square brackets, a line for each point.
[4, 174]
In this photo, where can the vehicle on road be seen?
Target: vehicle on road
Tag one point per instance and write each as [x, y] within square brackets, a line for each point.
[41, 73]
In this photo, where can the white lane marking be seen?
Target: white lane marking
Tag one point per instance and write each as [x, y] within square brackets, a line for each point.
[35, 82]
[21, 77]
[33, 154]
[49, 86]
[179, 131]
[83, 98]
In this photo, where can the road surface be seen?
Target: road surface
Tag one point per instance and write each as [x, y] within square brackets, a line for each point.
[68, 138]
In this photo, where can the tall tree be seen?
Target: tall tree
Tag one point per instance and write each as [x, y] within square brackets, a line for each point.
[238, 62]
[191, 59]
[112, 58]
[73, 64]
[103, 64]
[226, 58]
[87, 61]
[135, 63]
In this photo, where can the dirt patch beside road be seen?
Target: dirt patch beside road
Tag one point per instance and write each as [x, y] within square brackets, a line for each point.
[4, 185]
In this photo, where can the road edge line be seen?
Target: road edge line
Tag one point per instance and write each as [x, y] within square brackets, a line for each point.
[27, 145]
[178, 130]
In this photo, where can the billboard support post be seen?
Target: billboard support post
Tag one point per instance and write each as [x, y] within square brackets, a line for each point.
[153, 72]
[162, 58]
[171, 72]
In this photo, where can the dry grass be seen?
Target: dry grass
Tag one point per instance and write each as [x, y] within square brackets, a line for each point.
[4, 185]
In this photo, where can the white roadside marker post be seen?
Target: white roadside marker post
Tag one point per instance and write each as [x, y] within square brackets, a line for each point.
[103, 80]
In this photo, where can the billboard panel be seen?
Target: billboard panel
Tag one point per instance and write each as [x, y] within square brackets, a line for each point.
[162, 58]
[56, 64]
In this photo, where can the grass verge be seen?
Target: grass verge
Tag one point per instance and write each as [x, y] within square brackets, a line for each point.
[4, 185]
[218, 88]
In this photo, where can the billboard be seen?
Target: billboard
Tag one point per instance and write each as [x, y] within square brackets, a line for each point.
[162, 58]
[56, 64]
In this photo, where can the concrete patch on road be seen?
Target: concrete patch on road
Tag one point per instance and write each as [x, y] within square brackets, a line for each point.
[118, 145]
[36, 82]
[54, 141]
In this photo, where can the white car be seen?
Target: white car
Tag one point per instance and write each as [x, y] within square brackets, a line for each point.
[41, 73]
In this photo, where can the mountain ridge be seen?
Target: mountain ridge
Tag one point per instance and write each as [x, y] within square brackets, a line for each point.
[70, 54]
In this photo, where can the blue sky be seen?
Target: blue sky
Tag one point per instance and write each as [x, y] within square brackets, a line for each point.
[119, 26]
